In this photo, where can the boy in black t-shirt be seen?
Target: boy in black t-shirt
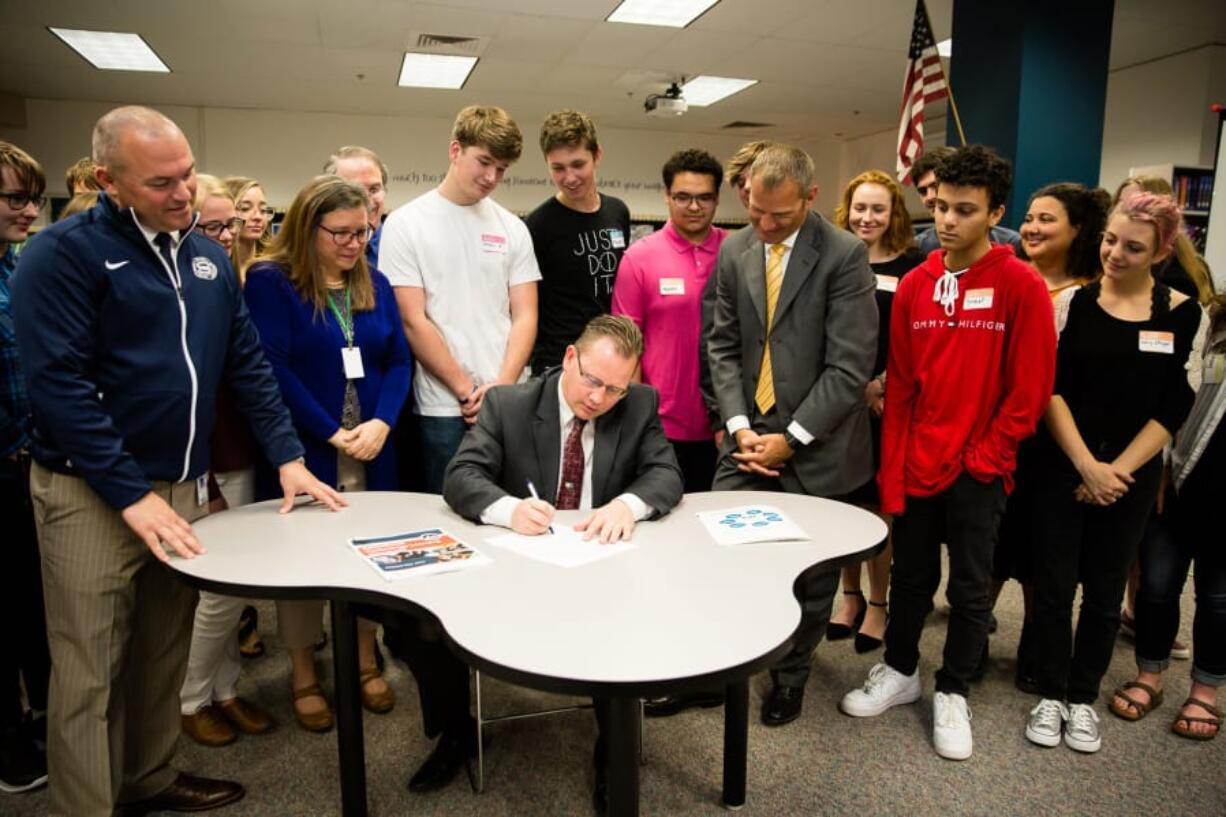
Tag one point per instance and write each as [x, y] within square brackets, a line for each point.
[578, 235]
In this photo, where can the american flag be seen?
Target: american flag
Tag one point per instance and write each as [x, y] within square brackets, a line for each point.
[925, 83]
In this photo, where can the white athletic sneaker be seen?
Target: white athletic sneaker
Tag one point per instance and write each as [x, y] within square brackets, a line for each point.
[951, 726]
[885, 687]
[1081, 731]
[1046, 722]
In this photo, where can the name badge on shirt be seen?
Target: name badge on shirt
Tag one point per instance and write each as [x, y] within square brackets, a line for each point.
[1162, 343]
[351, 359]
[887, 283]
[978, 299]
[617, 239]
[672, 286]
[491, 242]
[202, 490]
[1215, 368]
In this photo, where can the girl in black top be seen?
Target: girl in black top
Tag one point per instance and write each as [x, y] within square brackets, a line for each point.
[874, 210]
[1121, 391]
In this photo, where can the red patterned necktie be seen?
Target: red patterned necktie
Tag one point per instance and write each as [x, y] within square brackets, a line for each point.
[571, 487]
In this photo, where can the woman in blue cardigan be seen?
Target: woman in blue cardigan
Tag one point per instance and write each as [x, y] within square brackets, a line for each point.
[332, 333]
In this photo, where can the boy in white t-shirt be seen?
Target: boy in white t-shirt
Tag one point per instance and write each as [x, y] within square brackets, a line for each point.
[465, 280]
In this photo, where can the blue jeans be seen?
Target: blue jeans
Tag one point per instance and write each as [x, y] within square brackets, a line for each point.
[1185, 532]
[440, 439]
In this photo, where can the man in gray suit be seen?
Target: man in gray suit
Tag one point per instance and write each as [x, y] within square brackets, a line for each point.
[582, 437]
[791, 348]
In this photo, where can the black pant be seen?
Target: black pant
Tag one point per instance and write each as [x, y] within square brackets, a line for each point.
[814, 589]
[966, 516]
[1189, 529]
[24, 656]
[697, 460]
[1095, 546]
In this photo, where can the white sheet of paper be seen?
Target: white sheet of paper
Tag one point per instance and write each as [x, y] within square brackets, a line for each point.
[564, 547]
[750, 523]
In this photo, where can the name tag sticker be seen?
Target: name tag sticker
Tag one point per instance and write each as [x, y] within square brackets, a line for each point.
[1215, 368]
[617, 239]
[887, 283]
[491, 242]
[672, 286]
[351, 359]
[978, 299]
[1162, 343]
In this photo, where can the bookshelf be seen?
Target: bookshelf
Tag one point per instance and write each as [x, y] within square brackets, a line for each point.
[1192, 186]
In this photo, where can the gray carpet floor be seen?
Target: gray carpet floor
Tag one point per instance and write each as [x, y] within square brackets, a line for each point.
[823, 764]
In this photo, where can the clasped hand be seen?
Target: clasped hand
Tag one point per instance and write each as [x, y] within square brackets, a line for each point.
[1102, 483]
[761, 454]
[611, 523]
[363, 442]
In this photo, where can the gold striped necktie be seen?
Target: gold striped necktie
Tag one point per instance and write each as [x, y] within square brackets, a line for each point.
[764, 396]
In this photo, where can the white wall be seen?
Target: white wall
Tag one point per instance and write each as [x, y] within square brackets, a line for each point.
[284, 148]
[1158, 113]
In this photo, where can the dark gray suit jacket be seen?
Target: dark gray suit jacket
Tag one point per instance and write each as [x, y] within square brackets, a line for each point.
[518, 438]
[822, 347]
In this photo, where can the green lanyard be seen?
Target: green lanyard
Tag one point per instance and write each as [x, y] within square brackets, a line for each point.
[345, 322]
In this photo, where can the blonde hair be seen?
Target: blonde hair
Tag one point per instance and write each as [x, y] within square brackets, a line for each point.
[239, 186]
[79, 204]
[293, 246]
[489, 127]
[208, 187]
[81, 172]
[898, 235]
[627, 338]
[738, 165]
[1183, 250]
[568, 129]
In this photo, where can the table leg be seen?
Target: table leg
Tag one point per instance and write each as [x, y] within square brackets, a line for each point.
[349, 739]
[736, 743]
[623, 757]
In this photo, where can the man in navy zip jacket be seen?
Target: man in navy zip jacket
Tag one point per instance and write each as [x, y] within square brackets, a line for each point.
[127, 322]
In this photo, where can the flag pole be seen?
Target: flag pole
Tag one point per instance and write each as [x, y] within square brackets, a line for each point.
[953, 106]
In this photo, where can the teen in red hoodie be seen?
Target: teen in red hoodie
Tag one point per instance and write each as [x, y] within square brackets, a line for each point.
[971, 365]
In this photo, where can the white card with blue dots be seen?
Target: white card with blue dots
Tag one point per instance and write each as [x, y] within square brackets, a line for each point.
[750, 523]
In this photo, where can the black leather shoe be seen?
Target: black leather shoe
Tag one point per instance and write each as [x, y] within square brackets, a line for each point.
[443, 763]
[839, 632]
[600, 793]
[188, 793]
[672, 704]
[783, 705]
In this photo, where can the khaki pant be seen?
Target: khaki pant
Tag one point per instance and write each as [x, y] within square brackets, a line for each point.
[119, 626]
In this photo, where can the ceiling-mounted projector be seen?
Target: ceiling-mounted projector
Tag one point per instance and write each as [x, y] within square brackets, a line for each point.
[667, 104]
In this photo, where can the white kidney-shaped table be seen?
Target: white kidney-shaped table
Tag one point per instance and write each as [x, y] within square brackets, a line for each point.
[674, 614]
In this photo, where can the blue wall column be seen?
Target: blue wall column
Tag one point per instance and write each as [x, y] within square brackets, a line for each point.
[1030, 80]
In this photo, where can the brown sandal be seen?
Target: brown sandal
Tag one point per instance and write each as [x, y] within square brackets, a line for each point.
[1141, 709]
[320, 721]
[1185, 732]
[379, 703]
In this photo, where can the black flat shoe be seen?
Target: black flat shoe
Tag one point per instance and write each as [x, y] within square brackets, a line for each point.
[783, 705]
[868, 643]
[443, 764]
[668, 705]
[839, 632]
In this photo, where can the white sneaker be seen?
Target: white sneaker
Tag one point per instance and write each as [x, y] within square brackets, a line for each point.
[951, 726]
[1081, 731]
[885, 687]
[1046, 722]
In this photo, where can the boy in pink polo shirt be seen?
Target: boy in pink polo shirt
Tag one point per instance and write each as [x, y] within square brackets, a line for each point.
[659, 286]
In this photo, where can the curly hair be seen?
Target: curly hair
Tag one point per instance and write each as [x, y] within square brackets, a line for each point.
[692, 160]
[1087, 211]
[898, 235]
[568, 129]
[927, 162]
[978, 166]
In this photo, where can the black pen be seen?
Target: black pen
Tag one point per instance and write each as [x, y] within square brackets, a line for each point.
[535, 495]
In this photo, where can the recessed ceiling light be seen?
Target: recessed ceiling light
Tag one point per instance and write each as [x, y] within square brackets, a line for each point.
[671, 13]
[112, 50]
[704, 90]
[945, 47]
[435, 70]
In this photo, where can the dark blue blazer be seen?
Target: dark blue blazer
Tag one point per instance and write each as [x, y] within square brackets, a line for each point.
[304, 347]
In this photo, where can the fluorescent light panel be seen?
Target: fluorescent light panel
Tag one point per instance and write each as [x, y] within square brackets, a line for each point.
[671, 13]
[435, 70]
[945, 47]
[112, 50]
[704, 90]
